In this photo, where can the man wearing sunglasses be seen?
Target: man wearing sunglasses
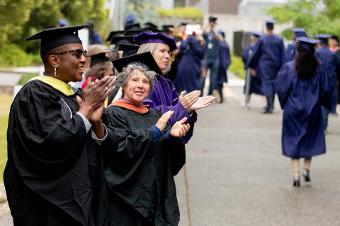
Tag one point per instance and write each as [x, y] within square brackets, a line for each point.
[54, 173]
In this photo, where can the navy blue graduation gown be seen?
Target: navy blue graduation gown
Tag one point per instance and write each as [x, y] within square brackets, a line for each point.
[267, 59]
[224, 56]
[290, 52]
[189, 68]
[331, 67]
[301, 100]
[255, 81]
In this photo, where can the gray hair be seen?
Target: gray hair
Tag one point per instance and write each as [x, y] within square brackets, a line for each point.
[151, 47]
[127, 71]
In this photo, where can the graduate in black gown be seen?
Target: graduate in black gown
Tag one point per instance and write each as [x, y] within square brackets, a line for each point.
[54, 173]
[140, 173]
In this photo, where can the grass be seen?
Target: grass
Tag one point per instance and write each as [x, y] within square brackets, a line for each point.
[6, 101]
[237, 66]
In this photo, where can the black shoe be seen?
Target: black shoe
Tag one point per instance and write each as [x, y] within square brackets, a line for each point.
[267, 111]
[306, 176]
[296, 181]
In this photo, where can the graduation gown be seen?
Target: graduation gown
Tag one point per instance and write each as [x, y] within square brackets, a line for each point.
[290, 52]
[301, 100]
[255, 81]
[54, 173]
[140, 173]
[332, 68]
[164, 97]
[189, 68]
[267, 59]
[224, 62]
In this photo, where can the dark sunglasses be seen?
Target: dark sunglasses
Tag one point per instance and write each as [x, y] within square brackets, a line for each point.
[76, 53]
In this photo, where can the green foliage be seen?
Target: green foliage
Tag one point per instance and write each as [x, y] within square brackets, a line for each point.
[316, 16]
[21, 18]
[13, 55]
[182, 12]
[26, 77]
[237, 66]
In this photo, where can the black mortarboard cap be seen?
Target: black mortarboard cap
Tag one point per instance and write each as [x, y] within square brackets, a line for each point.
[167, 26]
[132, 27]
[113, 34]
[151, 25]
[122, 39]
[132, 32]
[144, 58]
[128, 49]
[151, 37]
[52, 38]
[183, 24]
[212, 19]
[98, 58]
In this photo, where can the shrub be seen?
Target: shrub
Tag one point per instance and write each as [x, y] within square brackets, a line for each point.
[237, 66]
[13, 55]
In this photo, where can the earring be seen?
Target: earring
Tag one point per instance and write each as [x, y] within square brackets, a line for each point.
[55, 72]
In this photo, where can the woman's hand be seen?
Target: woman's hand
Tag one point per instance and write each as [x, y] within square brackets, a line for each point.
[180, 128]
[95, 94]
[163, 120]
[202, 102]
[187, 100]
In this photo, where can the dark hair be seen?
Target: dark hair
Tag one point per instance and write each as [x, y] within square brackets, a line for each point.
[336, 38]
[306, 64]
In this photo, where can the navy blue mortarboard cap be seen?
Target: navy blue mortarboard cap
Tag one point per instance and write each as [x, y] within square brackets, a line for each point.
[144, 58]
[270, 24]
[306, 43]
[256, 34]
[150, 37]
[222, 33]
[52, 38]
[299, 32]
[129, 19]
[323, 38]
[128, 49]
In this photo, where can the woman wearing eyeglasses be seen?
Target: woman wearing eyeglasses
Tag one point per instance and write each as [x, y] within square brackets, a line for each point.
[54, 172]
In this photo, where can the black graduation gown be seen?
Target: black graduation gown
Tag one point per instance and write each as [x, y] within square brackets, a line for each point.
[54, 173]
[140, 173]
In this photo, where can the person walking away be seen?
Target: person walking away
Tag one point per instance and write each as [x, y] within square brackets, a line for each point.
[266, 62]
[253, 81]
[303, 89]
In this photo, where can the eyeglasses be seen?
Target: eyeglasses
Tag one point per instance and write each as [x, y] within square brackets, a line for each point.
[76, 53]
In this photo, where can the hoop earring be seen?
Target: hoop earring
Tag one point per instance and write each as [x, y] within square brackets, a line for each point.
[55, 72]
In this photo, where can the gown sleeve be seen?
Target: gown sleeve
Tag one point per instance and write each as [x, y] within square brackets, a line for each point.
[283, 84]
[38, 129]
[325, 89]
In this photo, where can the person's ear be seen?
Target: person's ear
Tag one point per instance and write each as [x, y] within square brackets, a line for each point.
[54, 61]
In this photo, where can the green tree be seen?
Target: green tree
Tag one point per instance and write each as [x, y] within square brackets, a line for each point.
[316, 16]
